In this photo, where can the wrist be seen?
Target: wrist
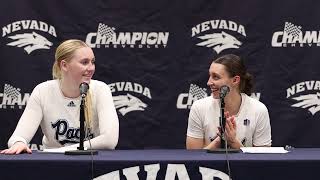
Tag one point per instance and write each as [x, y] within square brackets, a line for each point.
[19, 142]
[235, 144]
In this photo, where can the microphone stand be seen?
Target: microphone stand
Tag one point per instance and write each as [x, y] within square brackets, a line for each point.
[222, 123]
[81, 150]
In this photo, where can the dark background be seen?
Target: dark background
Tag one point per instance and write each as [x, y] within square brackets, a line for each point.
[168, 72]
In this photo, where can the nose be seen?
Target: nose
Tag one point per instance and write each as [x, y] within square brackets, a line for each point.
[91, 67]
[209, 83]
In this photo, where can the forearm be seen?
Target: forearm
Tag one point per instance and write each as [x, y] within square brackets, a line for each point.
[26, 128]
[215, 144]
[102, 142]
[29, 121]
[99, 142]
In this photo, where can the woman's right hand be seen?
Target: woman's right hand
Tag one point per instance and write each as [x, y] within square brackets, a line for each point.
[17, 148]
[215, 144]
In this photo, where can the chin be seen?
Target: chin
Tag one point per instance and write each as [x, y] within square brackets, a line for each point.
[215, 95]
[85, 81]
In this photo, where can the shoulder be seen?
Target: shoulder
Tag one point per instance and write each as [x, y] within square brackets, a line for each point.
[98, 85]
[99, 88]
[203, 103]
[47, 85]
[255, 104]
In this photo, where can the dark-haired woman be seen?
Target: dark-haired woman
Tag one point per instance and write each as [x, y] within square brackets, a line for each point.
[247, 119]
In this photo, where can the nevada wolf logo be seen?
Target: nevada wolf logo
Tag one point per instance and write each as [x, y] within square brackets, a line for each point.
[311, 101]
[128, 103]
[219, 41]
[31, 41]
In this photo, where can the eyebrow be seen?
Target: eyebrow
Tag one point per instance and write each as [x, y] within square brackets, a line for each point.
[213, 74]
[93, 59]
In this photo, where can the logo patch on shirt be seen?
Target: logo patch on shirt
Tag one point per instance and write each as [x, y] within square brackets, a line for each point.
[66, 134]
[71, 104]
[212, 138]
[246, 122]
[243, 142]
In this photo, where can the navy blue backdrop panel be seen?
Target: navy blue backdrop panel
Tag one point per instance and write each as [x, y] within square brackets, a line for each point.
[292, 91]
[155, 57]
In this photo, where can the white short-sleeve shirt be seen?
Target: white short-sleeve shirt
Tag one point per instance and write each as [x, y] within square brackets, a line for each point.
[253, 122]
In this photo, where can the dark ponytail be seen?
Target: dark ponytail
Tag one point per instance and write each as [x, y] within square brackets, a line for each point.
[247, 85]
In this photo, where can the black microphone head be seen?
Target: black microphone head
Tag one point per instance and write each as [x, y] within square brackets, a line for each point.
[224, 90]
[84, 87]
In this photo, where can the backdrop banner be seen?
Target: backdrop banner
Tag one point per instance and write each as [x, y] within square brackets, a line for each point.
[155, 57]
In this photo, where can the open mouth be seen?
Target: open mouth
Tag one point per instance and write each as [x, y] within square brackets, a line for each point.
[213, 90]
[87, 76]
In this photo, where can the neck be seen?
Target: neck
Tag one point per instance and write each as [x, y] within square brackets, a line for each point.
[233, 103]
[68, 89]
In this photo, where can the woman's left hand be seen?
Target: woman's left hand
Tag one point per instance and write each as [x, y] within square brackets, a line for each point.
[231, 131]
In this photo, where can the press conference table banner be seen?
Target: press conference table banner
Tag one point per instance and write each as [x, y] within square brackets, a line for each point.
[162, 165]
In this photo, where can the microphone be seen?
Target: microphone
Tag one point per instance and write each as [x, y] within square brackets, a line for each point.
[224, 90]
[84, 87]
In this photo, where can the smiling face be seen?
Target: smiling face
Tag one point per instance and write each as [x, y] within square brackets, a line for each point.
[80, 68]
[218, 76]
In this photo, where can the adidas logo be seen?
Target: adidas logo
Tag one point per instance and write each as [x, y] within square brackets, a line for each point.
[71, 104]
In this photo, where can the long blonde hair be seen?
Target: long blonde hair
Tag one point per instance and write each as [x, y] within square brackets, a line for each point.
[65, 51]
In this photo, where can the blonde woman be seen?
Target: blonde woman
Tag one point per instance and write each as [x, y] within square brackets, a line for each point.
[55, 105]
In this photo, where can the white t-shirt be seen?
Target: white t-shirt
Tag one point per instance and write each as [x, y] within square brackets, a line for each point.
[59, 117]
[253, 122]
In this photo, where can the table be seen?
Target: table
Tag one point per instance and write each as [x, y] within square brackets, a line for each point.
[162, 165]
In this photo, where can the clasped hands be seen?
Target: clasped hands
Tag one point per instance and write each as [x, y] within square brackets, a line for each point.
[229, 135]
